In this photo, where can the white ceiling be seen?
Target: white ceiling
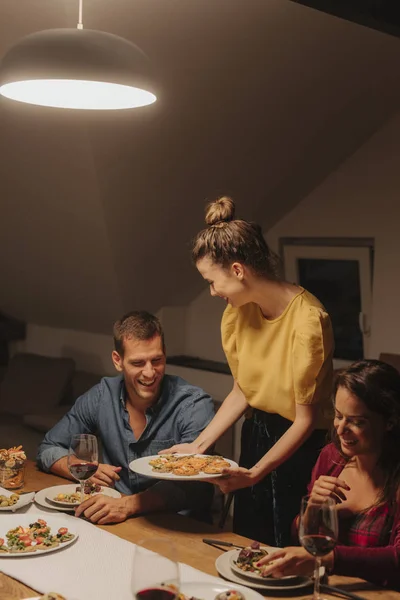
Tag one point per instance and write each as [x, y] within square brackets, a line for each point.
[260, 99]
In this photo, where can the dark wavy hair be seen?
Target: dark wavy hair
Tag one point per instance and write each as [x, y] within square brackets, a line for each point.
[377, 385]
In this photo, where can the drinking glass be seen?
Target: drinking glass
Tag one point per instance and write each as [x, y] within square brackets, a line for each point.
[155, 572]
[318, 531]
[83, 456]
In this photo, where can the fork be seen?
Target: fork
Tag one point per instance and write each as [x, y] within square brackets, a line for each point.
[212, 542]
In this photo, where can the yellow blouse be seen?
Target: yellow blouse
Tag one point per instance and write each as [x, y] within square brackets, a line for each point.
[285, 361]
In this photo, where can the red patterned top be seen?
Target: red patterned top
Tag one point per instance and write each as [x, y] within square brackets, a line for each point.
[369, 543]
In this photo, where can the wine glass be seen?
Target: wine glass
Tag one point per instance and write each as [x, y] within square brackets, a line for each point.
[83, 456]
[155, 572]
[318, 531]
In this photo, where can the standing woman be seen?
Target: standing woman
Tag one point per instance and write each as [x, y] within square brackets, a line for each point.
[278, 341]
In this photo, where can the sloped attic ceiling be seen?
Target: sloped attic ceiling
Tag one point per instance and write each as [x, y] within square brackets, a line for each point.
[260, 99]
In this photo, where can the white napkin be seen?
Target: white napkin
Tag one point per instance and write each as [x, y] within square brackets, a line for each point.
[24, 500]
[98, 565]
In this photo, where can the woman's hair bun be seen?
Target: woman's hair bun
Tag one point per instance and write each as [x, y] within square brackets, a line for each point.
[220, 210]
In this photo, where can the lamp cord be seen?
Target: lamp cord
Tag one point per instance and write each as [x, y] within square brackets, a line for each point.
[80, 24]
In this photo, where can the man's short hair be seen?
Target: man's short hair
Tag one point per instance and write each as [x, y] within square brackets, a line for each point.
[137, 324]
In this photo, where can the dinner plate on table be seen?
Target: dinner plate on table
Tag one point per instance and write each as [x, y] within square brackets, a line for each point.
[142, 467]
[224, 568]
[8, 522]
[53, 491]
[287, 580]
[24, 500]
[208, 590]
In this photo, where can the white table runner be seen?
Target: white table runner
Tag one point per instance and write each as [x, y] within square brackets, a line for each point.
[98, 566]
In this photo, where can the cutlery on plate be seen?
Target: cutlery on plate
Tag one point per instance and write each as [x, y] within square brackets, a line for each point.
[329, 589]
[212, 542]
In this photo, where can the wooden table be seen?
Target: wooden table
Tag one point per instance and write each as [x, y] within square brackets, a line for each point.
[187, 535]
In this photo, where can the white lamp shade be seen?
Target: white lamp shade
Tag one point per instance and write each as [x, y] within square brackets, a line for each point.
[77, 68]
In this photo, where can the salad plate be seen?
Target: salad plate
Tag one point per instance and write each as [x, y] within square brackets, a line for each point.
[224, 568]
[255, 574]
[209, 590]
[51, 494]
[25, 521]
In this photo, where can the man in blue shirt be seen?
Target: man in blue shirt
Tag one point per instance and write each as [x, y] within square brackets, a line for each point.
[138, 413]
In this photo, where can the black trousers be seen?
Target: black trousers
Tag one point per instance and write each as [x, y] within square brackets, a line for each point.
[265, 512]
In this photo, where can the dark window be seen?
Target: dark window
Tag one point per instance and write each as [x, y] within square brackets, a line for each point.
[336, 283]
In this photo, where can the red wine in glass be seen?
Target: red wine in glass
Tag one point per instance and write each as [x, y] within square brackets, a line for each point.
[318, 531]
[83, 458]
[155, 570]
[156, 593]
[318, 545]
[82, 471]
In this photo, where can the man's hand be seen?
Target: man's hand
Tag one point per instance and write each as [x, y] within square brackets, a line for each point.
[234, 478]
[293, 560]
[103, 509]
[106, 475]
[329, 487]
[182, 449]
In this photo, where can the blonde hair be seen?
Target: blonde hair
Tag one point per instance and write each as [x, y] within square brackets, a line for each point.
[227, 240]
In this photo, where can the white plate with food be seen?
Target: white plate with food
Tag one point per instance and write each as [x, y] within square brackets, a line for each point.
[69, 495]
[9, 500]
[217, 591]
[183, 467]
[51, 596]
[31, 535]
[243, 562]
[224, 568]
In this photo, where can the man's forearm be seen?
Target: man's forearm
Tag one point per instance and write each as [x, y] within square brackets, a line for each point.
[60, 467]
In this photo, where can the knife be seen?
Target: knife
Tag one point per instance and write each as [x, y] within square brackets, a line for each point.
[212, 542]
[338, 591]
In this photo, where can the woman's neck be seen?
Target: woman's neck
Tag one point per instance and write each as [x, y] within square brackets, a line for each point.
[273, 297]
[367, 466]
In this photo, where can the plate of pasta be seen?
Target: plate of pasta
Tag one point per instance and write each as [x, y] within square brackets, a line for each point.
[183, 467]
[34, 534]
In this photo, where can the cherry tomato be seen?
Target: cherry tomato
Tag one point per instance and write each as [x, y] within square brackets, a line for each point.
[40, 539]
[1, 542]
[42, 522]
[63, 530]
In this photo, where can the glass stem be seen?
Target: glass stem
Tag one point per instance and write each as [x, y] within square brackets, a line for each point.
[82, 482]
[316, 578]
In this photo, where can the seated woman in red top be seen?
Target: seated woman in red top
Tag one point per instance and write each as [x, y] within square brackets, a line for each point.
[360, 470]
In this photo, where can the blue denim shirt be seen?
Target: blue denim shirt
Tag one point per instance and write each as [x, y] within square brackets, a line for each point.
[181, 413]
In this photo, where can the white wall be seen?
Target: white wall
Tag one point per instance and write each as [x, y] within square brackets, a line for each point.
[91, 352]
[362, 199]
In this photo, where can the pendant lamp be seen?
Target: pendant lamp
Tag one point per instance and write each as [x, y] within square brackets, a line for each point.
[77, 69]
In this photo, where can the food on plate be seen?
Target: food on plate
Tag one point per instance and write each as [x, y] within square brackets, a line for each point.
[189, 465]
[75, 497]
[230, 595]
[37, 536]
[90, 488]
[52, 596]
[12, 462]
[8, 500]
[249, 557]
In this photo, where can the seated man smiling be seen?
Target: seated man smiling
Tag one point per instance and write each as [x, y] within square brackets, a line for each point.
[135, 414]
